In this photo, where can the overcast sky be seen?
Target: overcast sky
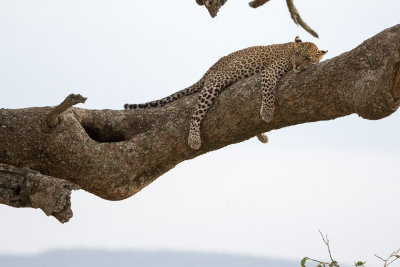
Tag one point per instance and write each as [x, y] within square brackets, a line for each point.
[340, 177]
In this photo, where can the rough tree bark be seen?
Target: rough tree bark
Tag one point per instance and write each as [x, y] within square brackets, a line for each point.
[116, 153]
[22, 187]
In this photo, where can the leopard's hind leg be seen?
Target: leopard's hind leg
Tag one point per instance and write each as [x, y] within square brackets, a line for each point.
[212, 87]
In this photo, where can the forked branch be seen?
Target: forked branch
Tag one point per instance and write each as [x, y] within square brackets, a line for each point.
[389, 260]
[326, 241]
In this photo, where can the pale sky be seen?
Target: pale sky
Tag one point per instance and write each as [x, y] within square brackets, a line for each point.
[340, 177]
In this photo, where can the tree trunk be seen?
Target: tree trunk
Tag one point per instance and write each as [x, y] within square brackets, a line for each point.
[116, 153]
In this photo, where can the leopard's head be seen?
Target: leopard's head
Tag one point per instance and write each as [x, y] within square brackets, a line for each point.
[305, 54]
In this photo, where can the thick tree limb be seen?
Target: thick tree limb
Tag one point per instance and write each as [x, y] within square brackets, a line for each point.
[114, 154]
[27, 188]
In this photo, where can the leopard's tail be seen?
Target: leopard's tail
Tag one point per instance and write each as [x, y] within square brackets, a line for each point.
[163, 101]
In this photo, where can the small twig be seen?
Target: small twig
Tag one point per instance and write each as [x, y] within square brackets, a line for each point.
[333, 263]
[379, 257]
[297, 19]
[257, 3]
[326, 241]
[392, 261]
[52, 118]
[392, 257]
[322, 262]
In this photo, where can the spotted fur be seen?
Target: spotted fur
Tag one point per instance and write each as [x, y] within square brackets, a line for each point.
[272, 61]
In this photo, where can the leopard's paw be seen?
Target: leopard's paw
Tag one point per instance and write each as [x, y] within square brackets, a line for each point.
[194, 140]
[267, 114]
[263, 138]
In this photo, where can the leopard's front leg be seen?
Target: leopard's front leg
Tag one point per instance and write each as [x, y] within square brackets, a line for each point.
[269, 77]
[212, 88]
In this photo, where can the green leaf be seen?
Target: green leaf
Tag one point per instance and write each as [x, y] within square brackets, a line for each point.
[303, 262]
[360, 263]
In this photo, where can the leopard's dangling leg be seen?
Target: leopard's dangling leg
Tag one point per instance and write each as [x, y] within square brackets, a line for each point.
[263, 138]
[268, 82]
[212, 88]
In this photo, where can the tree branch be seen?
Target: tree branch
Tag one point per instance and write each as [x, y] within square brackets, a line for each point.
[69, 101]
[389, 260]
[115, 153]
[212, 6]
[27, 188]
[297, 18]
[257, 3]
[326, 241]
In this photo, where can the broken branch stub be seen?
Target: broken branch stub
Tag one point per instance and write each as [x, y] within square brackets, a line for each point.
[69, 101]
[257, 3]
[212, 6]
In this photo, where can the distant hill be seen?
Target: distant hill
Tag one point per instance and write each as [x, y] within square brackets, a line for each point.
[99, 258]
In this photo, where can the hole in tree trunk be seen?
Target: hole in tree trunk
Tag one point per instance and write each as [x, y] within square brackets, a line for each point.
[104, 135]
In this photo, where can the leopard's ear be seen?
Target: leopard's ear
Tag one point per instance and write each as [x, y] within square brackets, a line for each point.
[323, 52]
[297, 39]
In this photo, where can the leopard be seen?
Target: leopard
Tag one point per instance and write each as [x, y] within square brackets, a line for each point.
[272, 61]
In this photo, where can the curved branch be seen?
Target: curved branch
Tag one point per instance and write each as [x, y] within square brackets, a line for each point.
[69, 101]
[27, 188]
[115, 154]
[297, 18]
